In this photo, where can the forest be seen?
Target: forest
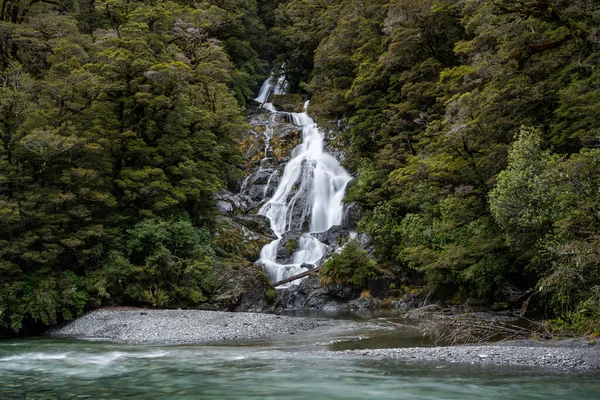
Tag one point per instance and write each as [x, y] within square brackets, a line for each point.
[472, 128]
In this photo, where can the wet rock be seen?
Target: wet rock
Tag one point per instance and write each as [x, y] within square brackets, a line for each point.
[287, 246]
[366, 244]
[351, 215]
[256, 193]
[366, 303]
[261, 177]
[380, 287]
[334, 236]
[285, 139]
[242, 286]
[288, 102]
[256, 223]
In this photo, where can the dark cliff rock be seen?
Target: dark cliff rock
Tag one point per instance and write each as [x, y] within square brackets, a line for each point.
[351, 216]
[288, 102]
[335, 236]
[243, 286]
[310, 295]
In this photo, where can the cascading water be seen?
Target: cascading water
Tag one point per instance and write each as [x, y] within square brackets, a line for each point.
[309, 196]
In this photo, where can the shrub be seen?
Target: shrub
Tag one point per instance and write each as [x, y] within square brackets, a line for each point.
[352, 266]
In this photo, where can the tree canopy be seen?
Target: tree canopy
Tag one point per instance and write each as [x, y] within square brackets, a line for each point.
[472, 127]
[118, 123]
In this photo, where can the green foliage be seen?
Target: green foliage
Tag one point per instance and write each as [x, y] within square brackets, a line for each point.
[352, 266]
[524, 201]
[271, 296]
[114, 118]
[425, 98]
[167, 264]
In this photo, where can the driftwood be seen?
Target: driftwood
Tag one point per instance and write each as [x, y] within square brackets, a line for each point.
[460, 329]
[297, 276]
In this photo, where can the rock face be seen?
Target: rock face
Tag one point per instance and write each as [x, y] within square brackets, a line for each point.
[230, 204]
[351, 215]
[310, 295]
[243, 286]
[334, 236]
[288, 102]
[241, 233]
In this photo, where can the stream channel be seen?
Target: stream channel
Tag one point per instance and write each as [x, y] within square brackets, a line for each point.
[286, 368]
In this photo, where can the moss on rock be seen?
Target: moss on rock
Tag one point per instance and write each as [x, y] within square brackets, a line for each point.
[288, 102]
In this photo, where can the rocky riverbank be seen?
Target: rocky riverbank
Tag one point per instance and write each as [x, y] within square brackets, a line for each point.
[563, 355]
[160, 327]
[167, 327]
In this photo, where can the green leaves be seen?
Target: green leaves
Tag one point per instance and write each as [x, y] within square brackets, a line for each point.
[425, 97]
[524, 201]
[352, 266]
[132, 120]
[170, 264]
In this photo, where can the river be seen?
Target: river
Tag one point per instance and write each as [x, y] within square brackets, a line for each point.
[46, 368]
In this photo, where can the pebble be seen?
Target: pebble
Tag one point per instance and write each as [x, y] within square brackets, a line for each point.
[181, 326]
[564, 358]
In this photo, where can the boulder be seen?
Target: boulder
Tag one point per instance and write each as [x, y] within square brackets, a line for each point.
[287, 246]
[334, 236]
[224, 207]
[288, 102]
[310, 295]
[229, 203]
[242, 286]
[256, 223]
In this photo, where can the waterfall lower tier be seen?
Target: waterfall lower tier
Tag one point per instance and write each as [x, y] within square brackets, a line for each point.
[308, 197]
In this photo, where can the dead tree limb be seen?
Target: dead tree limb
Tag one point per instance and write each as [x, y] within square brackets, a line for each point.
[297, 276]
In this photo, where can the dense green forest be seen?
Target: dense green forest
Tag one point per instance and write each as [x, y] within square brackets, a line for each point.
[119, 120]
[472, 126]
[474, 130]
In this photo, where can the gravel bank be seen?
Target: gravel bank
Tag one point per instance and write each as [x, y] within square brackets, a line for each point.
[181, 326]
[160, 327]
[570, 356]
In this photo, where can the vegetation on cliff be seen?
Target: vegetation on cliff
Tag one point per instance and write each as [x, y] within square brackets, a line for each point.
[118, 123]
[472, 127]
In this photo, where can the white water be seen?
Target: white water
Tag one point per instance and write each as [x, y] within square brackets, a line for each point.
[309, 194]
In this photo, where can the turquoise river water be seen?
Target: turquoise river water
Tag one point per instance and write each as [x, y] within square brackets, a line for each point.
[68, 369]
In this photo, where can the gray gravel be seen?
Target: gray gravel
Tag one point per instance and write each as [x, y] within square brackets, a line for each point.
[160, 327]
[582, 356]
[181, 326]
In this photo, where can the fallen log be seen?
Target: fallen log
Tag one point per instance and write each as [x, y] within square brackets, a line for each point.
[297, 276]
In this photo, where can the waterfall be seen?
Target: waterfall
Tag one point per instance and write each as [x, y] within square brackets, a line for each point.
[309, 196]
